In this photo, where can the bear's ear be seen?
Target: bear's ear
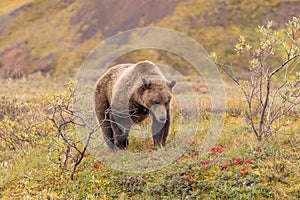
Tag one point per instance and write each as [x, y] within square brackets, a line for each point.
[146, 83]
[171, 84]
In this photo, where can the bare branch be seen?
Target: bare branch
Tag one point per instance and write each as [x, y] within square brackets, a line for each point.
[283, 65]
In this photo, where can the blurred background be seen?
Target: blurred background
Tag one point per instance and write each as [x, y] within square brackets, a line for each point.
[54, 37]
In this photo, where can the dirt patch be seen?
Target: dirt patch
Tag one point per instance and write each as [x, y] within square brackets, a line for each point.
[282, 13]
[113, 16]
[16, 62]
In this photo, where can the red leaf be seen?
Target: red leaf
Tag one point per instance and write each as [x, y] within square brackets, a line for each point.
[238, 161]
[225, 166]
[244, 171]
[96, 165]
[248, 161]
[192, 180]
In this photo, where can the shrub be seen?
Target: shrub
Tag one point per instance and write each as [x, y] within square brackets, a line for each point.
[22, 125]
[272, 88]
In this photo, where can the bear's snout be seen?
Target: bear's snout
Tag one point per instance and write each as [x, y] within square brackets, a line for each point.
[159, 112]
[163, 118]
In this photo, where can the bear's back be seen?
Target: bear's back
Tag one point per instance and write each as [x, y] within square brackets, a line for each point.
[107, 81]
[144, 69]
[130, 79]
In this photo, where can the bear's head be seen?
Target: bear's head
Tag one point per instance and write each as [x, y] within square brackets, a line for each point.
[156, 98]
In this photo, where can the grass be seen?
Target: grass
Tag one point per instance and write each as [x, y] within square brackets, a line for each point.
[237, 167]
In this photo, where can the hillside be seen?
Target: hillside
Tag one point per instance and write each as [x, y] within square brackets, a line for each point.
[55, 36]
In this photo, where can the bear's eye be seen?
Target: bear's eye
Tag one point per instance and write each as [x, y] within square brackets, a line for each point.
[155, 102]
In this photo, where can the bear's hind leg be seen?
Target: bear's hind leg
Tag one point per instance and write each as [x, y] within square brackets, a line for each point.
[101, 106]
[108, 135]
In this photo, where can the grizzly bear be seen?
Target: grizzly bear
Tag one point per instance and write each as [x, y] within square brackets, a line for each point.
[127, 94]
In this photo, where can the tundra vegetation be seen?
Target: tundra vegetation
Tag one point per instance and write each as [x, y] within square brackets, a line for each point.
[256, 156]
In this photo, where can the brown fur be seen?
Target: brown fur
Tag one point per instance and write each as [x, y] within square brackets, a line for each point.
[131, 92]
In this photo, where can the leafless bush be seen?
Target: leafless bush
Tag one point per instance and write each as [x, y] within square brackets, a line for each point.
[272, 89]
[70, 149]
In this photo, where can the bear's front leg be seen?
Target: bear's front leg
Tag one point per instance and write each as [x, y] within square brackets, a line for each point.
[120, 133]
[160, 131]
